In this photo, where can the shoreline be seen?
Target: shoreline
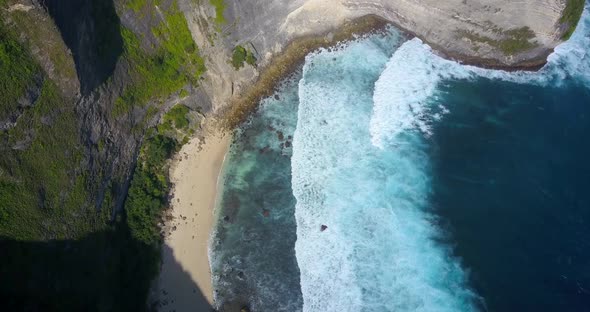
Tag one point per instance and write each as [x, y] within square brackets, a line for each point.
[293, 55]
[288, 60]
[202, 158]
[184, 282]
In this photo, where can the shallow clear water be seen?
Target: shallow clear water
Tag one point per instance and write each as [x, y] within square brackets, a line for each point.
[413, 184]
[252, 255]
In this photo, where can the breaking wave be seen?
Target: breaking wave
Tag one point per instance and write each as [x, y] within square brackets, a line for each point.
[366, 238]
[405, 94]
[379, 250]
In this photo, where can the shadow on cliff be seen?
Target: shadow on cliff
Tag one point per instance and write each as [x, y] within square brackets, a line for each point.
[106, 271]
[91, 30]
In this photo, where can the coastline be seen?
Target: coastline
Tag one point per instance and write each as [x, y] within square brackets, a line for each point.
[288, 60]
[198, 165]
[293, 55]
[194, 173]
[203, 157]
[236, 108]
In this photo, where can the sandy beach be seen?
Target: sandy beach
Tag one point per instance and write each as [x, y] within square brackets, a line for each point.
[184, 283]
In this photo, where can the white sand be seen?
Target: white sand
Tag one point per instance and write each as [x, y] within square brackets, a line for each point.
[185, 279]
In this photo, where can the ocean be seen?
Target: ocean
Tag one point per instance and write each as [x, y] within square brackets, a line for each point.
[382, 177]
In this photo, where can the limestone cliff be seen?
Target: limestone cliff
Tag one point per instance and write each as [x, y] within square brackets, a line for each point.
[493, 33]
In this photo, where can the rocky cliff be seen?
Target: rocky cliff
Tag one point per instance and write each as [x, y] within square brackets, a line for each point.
[82, 86]
[96, 94]
[492, 33]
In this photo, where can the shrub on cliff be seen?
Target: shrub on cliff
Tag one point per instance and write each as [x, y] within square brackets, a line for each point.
[175, 63]
[17, 71]
[571, 16]
[240, 56]
[149, 188]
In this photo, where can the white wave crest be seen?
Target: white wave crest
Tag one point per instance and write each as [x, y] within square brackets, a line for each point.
[404, 94]
[378, 252]
[410, 78]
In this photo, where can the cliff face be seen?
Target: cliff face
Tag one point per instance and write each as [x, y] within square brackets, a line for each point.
[492, 33]
[118, 66]
[82, 86]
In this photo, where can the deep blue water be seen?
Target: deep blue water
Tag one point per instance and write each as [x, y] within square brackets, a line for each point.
[384, 178]
[512, 182]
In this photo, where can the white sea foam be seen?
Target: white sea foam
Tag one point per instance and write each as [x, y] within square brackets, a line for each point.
[360, 167]
[378, 252]
[405, 93]
[404, 88]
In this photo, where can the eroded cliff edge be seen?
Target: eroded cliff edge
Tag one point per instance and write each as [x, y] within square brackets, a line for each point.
[499, 33]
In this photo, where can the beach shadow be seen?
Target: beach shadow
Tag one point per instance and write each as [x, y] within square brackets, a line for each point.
[104, 271]
[184, 294]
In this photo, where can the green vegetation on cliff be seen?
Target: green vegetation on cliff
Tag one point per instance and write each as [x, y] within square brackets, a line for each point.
[242, 55]
[176, 117]
[61, 253]
[148, 193]
[171, 65]
[136, 5]
[42, 187]
[571, 16]
[149, 189]
[219, 6]
[42, 33]
[175, 63]
[17, 70]
[512, 41]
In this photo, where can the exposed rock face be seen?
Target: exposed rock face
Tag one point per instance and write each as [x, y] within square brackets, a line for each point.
[494, 33]
[444, 23]
[79, 46]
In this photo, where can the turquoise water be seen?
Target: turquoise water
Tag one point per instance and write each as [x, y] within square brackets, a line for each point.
[412, 183]
[252, 255]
